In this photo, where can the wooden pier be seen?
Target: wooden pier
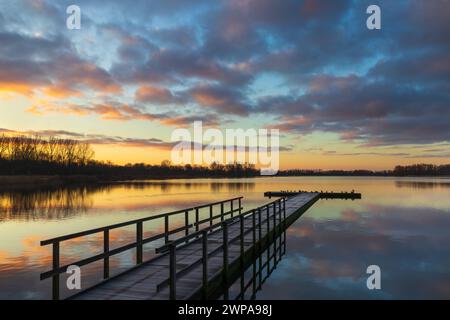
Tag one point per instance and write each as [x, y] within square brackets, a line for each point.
[198, 260]
[322, 194]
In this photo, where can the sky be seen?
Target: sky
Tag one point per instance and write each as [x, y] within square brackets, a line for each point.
[342, 96]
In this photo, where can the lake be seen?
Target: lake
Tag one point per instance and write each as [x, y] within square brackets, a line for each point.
[400, 224]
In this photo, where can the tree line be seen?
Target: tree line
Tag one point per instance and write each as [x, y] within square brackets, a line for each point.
[24, 155]
[422, 170]
[35, 154]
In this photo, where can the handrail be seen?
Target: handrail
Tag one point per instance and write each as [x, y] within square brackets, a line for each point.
[197, 234]
[127, 223]
[140, 240]
[202, 236]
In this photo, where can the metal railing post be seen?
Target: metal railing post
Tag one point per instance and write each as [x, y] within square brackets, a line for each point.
[221, 212]
[240, 206]
[106, 251]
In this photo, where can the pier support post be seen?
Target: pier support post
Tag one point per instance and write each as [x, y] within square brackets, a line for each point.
[55, 278]
[186, 222]
[166, 229]
[260, 247]
[172, 272]
[205, 264]
[225, 259]
[197, 219]
[241, 260]
[139, 242]
[106, 251]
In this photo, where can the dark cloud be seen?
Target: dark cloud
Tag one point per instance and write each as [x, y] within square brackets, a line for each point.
[220, 99]
[360, 109]
[375, 87]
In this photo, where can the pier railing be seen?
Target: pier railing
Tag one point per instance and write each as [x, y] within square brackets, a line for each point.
[261, 217]
[138, 244]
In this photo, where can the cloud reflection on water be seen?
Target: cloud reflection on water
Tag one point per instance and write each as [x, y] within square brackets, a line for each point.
[327, 258]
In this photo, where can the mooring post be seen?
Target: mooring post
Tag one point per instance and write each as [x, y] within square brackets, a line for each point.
[205, 264]
[172, 272]
[55, 277]
[106, 252]
[139, 242]
[225, 259]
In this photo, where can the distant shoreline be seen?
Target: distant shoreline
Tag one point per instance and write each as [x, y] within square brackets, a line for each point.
[24, 182]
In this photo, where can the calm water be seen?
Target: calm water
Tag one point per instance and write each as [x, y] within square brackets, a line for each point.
[402, 225]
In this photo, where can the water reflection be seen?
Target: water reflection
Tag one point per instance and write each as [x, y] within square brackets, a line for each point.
[327, 259]
[422, 184]
[402, 228]
[62, 203]
[263, 265]
[45, 204]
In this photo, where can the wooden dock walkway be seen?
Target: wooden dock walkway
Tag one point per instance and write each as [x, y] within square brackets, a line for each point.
[200, 259]
[151, 280]
[323, 194]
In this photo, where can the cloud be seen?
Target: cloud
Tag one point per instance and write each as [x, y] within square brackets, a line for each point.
[219, 59]
[220, 99]
[154, 94]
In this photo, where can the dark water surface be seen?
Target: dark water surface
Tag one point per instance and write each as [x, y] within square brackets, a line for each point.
[401, 225]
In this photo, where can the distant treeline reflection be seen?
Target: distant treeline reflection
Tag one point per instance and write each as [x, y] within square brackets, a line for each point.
[64, 202]
[45, 204]
[422, 184]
